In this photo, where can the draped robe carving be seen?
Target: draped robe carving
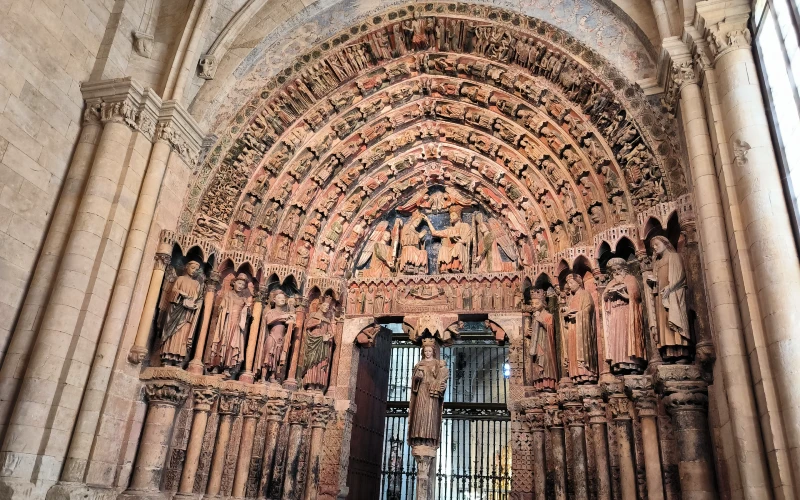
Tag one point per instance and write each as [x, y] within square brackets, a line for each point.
[180, 310]
[581, 336]
[227, 339]
[317, 349]
[622, 302]
[428, 382]
[672, 321]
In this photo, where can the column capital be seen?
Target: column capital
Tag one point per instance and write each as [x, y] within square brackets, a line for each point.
[165, 392]
[320, 412]
[276, 406]
[299, 408]
[593, 404]
[532, 411]
[253, 404]
[640, 389]
[162, 260]
[122, 100]
[684, 387]
[230, 402]
[724, 25]
[203, 398]
[552, 413]
[618, 401]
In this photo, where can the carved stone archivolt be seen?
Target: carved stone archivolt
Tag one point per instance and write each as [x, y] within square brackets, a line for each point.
[558, 150]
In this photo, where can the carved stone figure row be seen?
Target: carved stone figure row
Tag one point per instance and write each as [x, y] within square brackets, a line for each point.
[621, 319]
[232, 324]
[467, 294]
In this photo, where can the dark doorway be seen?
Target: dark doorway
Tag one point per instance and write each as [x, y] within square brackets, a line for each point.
[366, 443]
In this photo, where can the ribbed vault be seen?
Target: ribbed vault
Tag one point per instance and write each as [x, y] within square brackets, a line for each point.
[532, 128]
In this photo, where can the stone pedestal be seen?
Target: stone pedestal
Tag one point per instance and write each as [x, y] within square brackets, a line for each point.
[425, 457]
[203, 400]
[163, 397]
[686, 399]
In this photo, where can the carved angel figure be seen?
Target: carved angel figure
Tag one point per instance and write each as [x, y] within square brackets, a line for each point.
[379, 252]
[318, 348]
[180, 308]
[274, 338]
[490, 237]
[428, 383]
[413, 257]
[622, 303]
[229, 324]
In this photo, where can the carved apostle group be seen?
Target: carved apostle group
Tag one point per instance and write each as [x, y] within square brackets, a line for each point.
[231, 320]
[620, 318]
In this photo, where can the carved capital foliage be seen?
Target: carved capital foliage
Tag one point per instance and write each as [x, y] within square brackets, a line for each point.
[726, 36]
[573, 414]
[593, 404]
[684, 387]
[640, 389]
[275, 408]
[620, 407]
[165, 392]
[230, 403]
[203, 398]
[320, 413]
[252, 406]
[162, 260]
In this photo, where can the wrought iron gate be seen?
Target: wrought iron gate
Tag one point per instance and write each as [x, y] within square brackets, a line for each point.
[474, 459]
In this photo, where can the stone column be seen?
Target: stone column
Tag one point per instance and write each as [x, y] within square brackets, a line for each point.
[320, 413]
[212, 285]
[139, 348]
[298, 420]
[203, 398]
[425, 456]
[274, 410]
[163, 397]
[765, 218]
[229, 406]
[598, 426]
[731, 346]
[333, 466]
[19, 350]
[556, 460]
[36, 440]
[686, 399]
[619, 404]
[571, 401]
[536, 419]
[247, 375]
[662, 18]
[252, 410]
[522, 464]
[640, 388]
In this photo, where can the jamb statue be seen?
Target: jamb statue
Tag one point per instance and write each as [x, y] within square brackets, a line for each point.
[668, 285]
[180, 309]
[622, 301]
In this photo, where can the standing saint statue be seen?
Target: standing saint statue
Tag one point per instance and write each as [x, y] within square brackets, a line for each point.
[317, 348]
[622, 303]
[541, 364]
[413, 257]
[669, 290]
[428, 383]
[581, 336]
[180, 308]
[229, 326]
[454, 252]
[276, 332]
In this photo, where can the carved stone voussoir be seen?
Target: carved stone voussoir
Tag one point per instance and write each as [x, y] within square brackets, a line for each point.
[166, 392]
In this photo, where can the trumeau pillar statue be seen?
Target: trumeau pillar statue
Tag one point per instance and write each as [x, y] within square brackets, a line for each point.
[428, 383]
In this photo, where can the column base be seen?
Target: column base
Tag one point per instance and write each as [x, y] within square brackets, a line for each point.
[247, 377]
[187, 496]
[195, 368]
[80, 491]
[13, 489]
[144, 495]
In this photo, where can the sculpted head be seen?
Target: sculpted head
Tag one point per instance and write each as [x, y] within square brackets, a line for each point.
[427, 352]
[192, 267]
[618, 266]
[574, 282]
[280, 298]
[661, 245]
[240, 283]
